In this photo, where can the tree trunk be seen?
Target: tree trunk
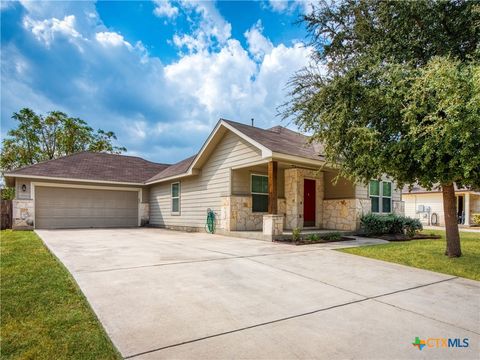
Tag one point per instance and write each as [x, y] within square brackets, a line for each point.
[451, 223]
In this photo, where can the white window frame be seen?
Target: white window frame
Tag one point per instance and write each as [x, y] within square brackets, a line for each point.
[257, 193]
[175, 197]
[380, 197]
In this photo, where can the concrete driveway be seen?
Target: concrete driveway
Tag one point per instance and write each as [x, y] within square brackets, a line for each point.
[164, 294]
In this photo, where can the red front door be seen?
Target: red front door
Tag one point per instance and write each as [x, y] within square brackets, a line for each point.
[308, 202]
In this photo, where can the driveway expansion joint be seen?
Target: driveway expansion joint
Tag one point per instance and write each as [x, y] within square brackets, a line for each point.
[228, 257]
[373, 298]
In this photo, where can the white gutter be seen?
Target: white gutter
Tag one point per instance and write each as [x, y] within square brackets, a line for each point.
[72, 179]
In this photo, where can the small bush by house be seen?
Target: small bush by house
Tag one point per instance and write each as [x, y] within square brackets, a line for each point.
[375, 224]
[476, 219]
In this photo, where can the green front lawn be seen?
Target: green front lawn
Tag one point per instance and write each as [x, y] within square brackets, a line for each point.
[429, 254]
[43, 313]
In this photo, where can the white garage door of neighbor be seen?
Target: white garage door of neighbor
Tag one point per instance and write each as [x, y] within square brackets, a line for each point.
[57, 207]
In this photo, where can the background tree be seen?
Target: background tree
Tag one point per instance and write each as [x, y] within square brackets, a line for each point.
[38, 138]
[394, 89]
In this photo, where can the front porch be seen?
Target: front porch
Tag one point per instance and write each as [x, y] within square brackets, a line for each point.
[271, 198]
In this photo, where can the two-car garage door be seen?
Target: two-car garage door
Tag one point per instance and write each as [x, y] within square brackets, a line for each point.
[57, 207]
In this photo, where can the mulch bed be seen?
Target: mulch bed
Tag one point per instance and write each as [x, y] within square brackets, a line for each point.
[308, 242]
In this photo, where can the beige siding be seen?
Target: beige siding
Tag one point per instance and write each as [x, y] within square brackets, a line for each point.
[204, 190]
[241, 180]
[361, 191]
[475, 204]
[434, 201]
[23, 195]
[343, 189]
[30, 181]
[145, 195]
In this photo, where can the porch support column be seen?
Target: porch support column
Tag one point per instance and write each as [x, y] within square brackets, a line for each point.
[466, 209]
[272, 188]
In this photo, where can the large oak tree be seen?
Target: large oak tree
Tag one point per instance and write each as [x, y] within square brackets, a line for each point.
[394, 88]
[37, 138]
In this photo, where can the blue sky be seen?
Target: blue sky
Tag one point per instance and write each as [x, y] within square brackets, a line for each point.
[158, 73]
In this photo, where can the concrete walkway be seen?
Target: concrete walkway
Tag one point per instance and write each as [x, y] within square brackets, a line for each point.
[164, 294]
[460, 228]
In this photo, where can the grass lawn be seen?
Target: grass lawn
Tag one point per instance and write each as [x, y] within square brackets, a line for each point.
[43, 313]
[429, 254]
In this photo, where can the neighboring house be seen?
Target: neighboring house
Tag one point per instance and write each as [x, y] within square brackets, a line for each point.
[427, 205]
[253, 179]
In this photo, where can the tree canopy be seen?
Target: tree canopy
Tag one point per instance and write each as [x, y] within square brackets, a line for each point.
[37, 138]
[394, 88]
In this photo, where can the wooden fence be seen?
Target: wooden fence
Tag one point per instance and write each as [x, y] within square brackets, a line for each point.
[6, 214]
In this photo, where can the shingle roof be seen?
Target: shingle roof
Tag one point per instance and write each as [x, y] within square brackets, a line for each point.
[175, 169]
[95, 166]
[131, 169]
[417, 189]
[281, 140]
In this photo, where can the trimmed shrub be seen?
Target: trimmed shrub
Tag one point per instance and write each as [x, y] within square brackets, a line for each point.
[376, 224]
[476, 219]
[333, 236]
[373, 224]
[411, 226]
[313, 237]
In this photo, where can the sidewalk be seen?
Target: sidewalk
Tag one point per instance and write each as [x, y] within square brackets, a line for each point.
[460, 228]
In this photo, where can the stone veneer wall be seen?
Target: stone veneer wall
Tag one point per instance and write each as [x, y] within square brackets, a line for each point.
[294, 196]
[23, 214]
[236, 213]
[344, 214]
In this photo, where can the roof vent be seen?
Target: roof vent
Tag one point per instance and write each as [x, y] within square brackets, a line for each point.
[253, 122]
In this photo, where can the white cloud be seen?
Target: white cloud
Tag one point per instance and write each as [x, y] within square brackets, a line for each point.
[280, 6]
[46, 30]
[214, 80]
[107, 38]
[258, 45]
[211, 28]
[163, 8]
[162, 112]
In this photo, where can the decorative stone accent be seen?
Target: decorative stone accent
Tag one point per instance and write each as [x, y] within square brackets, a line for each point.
[398, 207]
[272, 225]
[144, 214]
[282, 209]
[236, 213]
[23, 214]
[294, 196]
[344, 214]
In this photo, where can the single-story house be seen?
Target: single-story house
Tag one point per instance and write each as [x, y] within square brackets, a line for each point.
[252, 179]
[427, 205]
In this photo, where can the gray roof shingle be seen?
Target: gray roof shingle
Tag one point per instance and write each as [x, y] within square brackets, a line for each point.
[95, 166]
[417, 189]
[176, 169]
[281, 140]
[120, 168]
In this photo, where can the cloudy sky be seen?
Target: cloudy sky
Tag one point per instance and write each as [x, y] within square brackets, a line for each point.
[160, 74]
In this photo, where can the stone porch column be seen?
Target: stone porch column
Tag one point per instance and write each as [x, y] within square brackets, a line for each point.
[272, 225]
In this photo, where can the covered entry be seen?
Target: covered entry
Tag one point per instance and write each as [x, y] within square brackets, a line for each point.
[64, 207]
